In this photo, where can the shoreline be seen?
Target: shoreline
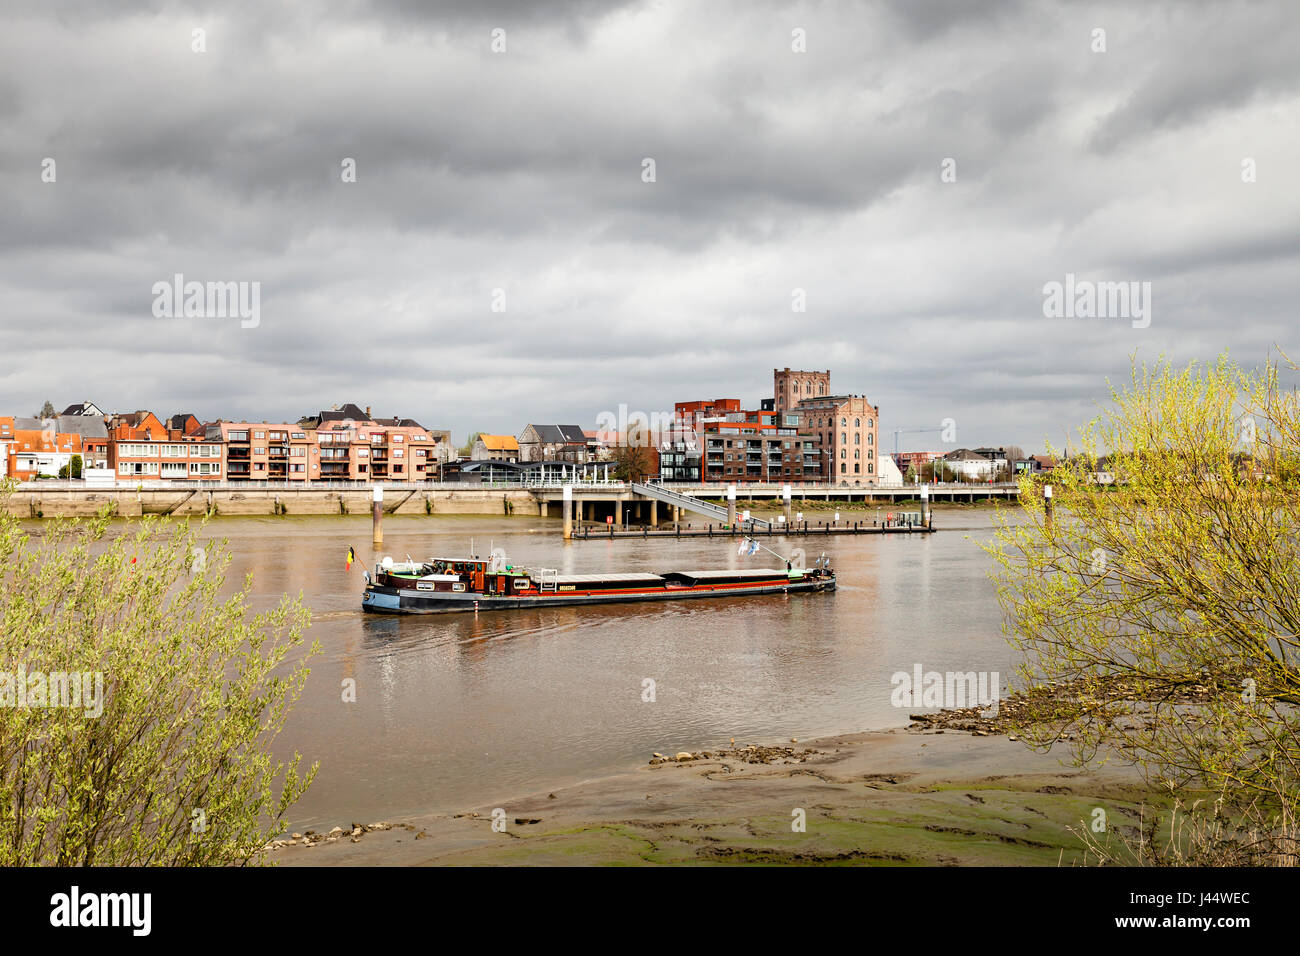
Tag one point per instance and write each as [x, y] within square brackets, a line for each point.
[905, 796]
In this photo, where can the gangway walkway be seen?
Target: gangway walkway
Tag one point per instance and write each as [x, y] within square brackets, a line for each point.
[717, 512]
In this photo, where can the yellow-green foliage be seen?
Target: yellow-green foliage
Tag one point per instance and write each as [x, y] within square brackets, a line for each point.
[177, 769]
[1170, 598]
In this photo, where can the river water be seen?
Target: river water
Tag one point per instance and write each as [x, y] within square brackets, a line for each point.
[454, 711]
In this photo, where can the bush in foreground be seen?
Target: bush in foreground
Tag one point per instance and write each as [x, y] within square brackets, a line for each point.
[168, 762]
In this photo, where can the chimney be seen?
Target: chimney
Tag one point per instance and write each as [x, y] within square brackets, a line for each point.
[367, 411]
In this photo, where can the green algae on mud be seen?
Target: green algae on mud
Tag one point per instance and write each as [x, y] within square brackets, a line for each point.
[886, 798]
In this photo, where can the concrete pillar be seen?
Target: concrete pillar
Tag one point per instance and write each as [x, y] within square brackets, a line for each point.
[786, 491]
[618, 513]
[545, 508]
[731, 505]
[377, 515]
[568, 512]
[654, 513]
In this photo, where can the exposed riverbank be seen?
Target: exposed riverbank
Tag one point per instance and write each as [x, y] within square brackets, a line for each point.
[896, 797]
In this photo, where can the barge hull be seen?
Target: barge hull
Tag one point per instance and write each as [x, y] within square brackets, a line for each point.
[389, 600]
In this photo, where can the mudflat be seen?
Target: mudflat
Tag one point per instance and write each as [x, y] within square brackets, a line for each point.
[917, 796]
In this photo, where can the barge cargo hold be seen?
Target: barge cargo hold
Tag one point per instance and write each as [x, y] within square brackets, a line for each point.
[471, 584]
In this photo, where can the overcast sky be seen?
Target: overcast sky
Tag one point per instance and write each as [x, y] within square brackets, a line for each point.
[522, 171]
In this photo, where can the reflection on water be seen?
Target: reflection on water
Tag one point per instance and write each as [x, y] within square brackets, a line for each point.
[458, 710]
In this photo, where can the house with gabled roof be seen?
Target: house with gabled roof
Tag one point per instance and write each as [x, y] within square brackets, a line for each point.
[553, 443]
[85, 409]
[970, 464]
[183, 426]
[495, 448]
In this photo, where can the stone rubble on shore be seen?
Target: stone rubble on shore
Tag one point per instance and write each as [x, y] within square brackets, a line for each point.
[310, 838]
[751, 753]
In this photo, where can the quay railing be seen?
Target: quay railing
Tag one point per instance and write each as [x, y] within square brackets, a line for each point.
[684, 489]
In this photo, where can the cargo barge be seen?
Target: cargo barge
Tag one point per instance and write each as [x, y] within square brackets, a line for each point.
[471, 584]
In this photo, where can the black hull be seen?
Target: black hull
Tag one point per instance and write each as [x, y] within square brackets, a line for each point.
[390, 600]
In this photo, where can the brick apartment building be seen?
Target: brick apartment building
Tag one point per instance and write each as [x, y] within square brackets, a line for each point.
[847, 430]
[262, 451]
[140, 445]
[166, 460]
[343, 443]
[908, 460]
[743, 446]
[352, 445]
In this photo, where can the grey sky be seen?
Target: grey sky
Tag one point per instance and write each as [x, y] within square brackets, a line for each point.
[521, 171]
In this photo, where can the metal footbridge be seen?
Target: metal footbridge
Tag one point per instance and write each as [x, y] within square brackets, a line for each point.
[686, 502]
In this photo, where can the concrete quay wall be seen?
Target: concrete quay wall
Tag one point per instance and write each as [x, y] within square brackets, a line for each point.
[37, 502]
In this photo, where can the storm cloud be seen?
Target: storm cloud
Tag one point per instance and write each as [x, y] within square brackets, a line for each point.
[795, 147]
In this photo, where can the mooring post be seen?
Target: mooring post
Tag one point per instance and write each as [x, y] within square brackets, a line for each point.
[568, 512]
[925, 506]
[1047, 504]
[731, 505]
[377, 515]
[785, 493]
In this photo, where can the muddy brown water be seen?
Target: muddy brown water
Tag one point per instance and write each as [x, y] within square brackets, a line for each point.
[455, 711]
